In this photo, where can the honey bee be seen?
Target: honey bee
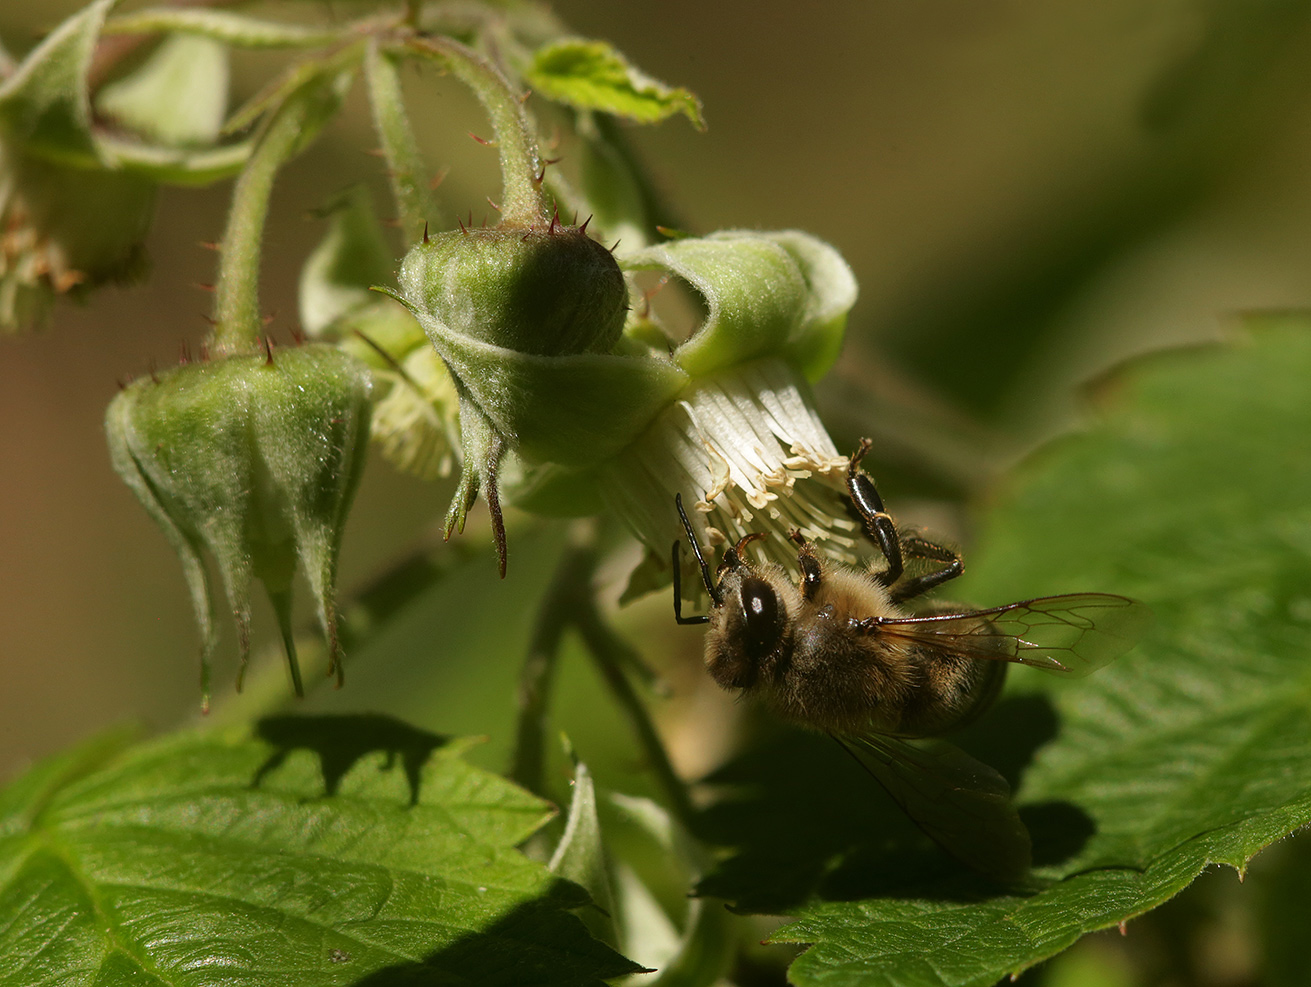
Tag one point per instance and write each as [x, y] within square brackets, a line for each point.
[837, 650]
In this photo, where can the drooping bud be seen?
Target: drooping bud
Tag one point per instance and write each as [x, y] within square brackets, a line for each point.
[255, 459]
[527, 320]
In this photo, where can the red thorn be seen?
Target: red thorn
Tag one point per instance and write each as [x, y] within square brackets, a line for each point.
[151, 367]
[425, 231]
[184, 355]
[298, 335]
[470, 219]
[1124, 928]
[617, 243]
[526, 94]
[392, 223]
[555, 218]
[375, 152]
[202, 286]
[268, 319]
[482, 141]
[204, 353]
[492, 204]
[437, 179]
[210, 319]
[268, 348]
[209, 244]
[583, 228]
[119, 382]
[462, 229]
[484, 222]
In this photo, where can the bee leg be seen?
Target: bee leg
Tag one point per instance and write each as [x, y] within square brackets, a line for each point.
[812, 571]
[711, 591]
[918, 548]
[678, 596]
[879, 526]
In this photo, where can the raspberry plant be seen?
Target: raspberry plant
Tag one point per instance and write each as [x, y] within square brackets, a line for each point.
[535, 357]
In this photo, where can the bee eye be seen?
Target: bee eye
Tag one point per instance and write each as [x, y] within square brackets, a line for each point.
[763, 626]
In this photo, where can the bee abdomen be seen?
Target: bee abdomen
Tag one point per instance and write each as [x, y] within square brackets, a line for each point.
[952, 691]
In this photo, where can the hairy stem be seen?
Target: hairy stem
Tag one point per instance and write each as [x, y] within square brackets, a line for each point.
[405, 166]
[237, 321]
[521, 168]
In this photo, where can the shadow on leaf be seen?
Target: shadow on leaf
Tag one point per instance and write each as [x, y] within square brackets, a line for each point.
[803, 821]
[539, 942]
[340, 741]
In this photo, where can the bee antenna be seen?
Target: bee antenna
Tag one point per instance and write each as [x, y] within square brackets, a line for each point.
[696, 550]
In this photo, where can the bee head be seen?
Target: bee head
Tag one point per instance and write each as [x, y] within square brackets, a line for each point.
[749, 629]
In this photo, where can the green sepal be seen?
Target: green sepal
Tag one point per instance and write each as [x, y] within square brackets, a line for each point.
[44, 105]
[352, 256]
[253, 459]
[767, 294]
[177, 98]
[593, 75]
[575, 410]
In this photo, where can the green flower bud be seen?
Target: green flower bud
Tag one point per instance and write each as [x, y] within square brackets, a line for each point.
[544, 292]
[524, 319]
[254, 458]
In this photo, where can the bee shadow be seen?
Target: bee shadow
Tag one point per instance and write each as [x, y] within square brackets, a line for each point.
[802, 820]
[341, 740]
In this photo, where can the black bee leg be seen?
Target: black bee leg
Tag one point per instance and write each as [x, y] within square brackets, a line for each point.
[918, 548]
[705, 571]
[678, 596]
[878, 523]
[812, 571]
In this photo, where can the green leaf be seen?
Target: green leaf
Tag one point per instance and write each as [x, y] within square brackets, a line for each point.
[178, 97]
[322, 850]
[592, 75]
[44, 103]
[225, 26]
[1190, 493]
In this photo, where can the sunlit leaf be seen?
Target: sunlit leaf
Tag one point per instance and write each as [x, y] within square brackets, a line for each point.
[321, 850]
[592, 75]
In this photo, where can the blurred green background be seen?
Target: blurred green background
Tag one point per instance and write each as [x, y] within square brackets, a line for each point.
[1028, 194]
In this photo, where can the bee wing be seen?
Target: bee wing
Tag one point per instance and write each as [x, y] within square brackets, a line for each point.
[1069, 635]
[961, 804]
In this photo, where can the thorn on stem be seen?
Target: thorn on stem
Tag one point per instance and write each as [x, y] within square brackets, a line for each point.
[583, 228]
[425, 231]
[481, 140]
[268, 349]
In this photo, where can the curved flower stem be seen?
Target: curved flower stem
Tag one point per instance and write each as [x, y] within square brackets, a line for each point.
[405, 165]
[521, 168]
[556, 611]
[612, 654]
[237, 321]
[570, 601]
